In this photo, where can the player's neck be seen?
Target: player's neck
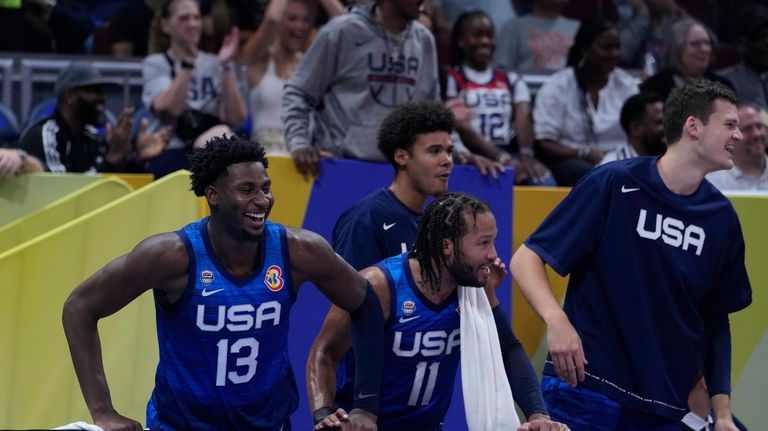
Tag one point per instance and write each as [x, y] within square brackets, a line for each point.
[679, 171]
[238, 255]
[407, 194]
[446, 288]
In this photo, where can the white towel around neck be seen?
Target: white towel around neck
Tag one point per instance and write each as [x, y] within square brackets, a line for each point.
[488, 402]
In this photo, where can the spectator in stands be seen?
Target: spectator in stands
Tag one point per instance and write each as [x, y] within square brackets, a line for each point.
[398, 60]
[129, 28]
[538, 41]
[642, 120]
[576, 114]
[499, 101]
[16, 161]
[750, 77]
[271, 55]
[689, 56]
[644, 37]
[500, 11]
[68, 140]
[193, 90]
[750, 167]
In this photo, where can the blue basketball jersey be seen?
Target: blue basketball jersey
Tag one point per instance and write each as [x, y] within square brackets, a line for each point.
[422, 354]
[647, 268]
[223, 346]
[375, 228]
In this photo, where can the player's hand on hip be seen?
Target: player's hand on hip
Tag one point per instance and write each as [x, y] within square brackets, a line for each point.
[360, 420]
[566, 350]
[113, 421]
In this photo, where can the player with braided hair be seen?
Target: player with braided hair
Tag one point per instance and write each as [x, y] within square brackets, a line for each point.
[223, 289]
[418, 296]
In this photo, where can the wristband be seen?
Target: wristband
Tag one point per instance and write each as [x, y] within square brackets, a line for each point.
[584, 152]
[226, 67]
[320, 414]
[187, 65]
[525, 151]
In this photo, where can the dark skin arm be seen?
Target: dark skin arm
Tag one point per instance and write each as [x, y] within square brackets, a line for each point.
[313, 259]
[333, 341]
[557, 150]
[158, 262]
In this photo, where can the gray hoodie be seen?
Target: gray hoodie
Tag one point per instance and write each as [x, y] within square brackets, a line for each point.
[354, 74]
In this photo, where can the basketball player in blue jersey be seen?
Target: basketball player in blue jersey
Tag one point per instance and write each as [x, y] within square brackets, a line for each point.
[655, 255]
[223, 288]
[416, 139]
[417, 292]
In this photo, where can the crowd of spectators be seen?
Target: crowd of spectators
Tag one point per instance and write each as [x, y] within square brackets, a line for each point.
[316, 89]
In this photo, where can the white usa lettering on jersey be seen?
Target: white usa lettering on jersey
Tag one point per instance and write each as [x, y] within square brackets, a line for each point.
[672, 231]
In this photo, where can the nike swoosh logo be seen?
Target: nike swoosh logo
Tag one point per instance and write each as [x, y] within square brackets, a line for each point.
[388, 226]
[407, 319]
[362, 396]
[211, 292]
[624, 189]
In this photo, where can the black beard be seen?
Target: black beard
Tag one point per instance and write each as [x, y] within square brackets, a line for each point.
[87, 113]
[463, 274]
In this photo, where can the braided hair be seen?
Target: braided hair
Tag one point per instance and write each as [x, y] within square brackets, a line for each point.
[211, 162]
[443, 219]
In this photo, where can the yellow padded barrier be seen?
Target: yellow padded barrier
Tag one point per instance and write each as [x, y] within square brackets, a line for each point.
[62, 210]
[26, 193]
[38, 388]
[136, 181]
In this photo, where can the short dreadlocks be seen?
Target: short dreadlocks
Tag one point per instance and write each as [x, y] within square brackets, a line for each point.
[444, 219]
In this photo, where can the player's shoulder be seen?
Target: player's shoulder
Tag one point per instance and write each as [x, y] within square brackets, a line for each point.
[166, 251]
[369, 207]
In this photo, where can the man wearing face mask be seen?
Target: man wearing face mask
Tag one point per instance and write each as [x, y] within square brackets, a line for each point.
[68, 140]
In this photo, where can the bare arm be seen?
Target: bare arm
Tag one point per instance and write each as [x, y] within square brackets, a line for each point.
[173, 101]
[232, 108]
[256, 49]
[564, 343]
[557, 150]
[333, 341]
[108, 290]
[332, 7]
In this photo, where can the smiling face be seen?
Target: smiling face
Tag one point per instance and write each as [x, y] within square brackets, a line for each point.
[89, 105]
[755, 138]
[719, 137]
[471, 265]
[184, 25]
[295, 26]
[242, 199]
[697, 52]
[427, 166]
[478, 42]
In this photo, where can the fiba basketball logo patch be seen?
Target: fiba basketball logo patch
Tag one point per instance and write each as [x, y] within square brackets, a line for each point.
[274, 278]
[206, 277]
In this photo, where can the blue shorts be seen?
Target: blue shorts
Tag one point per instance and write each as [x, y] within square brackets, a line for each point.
[587, 410]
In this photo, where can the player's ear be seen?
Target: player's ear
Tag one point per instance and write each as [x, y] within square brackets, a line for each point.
[692, 127]
[447, 247]
[401, 156]
[212, 194]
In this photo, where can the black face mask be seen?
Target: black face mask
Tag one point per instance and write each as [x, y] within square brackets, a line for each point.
[89, 113]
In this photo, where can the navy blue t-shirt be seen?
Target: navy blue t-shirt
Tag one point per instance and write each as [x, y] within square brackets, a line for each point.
[647, 269]
[375, 228]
